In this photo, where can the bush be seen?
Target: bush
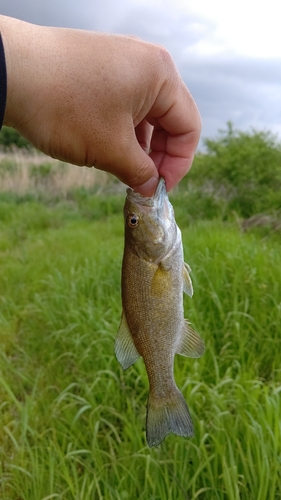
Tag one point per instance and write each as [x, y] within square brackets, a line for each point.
[243, 168]
[9, 138]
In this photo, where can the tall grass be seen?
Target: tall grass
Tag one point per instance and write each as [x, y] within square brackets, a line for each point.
[72, 422]
[29, 171]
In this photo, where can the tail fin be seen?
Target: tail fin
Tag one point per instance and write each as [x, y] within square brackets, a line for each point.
[167, 415]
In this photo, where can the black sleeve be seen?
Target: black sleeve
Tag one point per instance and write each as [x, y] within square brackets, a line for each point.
[3, 82]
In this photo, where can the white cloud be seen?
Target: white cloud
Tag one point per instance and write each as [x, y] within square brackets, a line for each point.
[246, 27]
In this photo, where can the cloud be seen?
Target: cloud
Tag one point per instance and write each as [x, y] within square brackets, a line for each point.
[225, 86]
[54, 12]
[245, 91]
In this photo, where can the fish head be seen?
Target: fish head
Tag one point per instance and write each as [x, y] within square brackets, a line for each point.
[150, 226]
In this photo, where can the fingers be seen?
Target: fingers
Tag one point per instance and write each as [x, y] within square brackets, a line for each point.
[143, 134]
[128, 159]
[173, 154]
[173, 140]
[171, 145]
[171, 110]
[145, 186]
[176, 133]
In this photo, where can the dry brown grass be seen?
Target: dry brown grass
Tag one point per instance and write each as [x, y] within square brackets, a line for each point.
[23, 171]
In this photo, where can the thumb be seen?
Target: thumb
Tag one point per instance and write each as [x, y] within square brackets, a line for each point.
[136, 169]
[147, 174]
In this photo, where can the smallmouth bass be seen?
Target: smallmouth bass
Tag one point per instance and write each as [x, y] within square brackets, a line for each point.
[154, 277]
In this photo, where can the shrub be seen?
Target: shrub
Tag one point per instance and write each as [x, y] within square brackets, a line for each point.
[242, 167]
[9, 138]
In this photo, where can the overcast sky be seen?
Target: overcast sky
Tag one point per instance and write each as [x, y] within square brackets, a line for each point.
[228, 52]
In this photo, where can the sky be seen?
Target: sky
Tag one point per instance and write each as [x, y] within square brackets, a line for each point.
[228, 53]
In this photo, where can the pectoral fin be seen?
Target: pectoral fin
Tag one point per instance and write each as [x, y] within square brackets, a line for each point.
[125, 349]
[187, 283]
[191, 345]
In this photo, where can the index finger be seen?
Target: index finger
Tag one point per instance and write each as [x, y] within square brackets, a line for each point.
[176, 134]
[173, 154]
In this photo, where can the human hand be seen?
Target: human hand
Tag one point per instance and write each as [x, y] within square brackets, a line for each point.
[109, 101]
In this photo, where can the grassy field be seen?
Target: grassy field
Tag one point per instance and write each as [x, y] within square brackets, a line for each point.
[72, 422]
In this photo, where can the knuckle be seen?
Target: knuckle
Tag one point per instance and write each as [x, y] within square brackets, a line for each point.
[164, 58]
[139, 175]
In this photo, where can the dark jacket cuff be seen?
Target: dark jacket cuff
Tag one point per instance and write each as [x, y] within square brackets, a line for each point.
[3, 82]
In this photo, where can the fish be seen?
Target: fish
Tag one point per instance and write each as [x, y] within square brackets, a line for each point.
[154, 277]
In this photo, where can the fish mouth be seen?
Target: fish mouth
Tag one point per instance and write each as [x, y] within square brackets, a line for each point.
[157, 200]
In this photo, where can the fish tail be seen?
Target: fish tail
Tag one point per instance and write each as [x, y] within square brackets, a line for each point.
[166, 415]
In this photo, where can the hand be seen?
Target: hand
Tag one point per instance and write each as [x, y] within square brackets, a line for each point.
[109, 101]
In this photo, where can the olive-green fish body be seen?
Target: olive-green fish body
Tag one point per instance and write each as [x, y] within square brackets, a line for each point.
[154, 277]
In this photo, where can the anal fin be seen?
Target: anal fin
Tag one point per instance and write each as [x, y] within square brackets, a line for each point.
[191, 345]
[125, 349]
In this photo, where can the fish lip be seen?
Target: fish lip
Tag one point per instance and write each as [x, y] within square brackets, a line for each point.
[156, 200]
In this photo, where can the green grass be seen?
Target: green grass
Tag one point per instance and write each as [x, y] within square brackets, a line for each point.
[72, 423]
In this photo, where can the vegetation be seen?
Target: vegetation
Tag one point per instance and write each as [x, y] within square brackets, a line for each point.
[242, 170]
[33, 175]
[10, 138]
[72, 423]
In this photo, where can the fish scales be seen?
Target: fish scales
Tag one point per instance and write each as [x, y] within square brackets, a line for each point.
[154, 277]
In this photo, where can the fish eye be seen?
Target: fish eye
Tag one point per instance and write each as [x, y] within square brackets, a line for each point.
[132, 220]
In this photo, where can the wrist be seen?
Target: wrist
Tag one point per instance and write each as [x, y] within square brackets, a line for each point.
[9, 32]
[16, 55]
[21, 46]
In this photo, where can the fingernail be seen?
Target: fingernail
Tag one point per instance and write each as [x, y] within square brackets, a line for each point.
[148, 188]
